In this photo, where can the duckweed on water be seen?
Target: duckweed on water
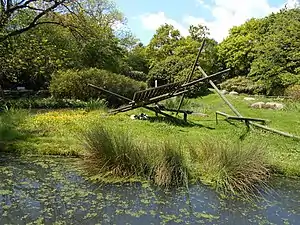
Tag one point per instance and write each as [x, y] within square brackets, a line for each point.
[113, 153]
[59, 195]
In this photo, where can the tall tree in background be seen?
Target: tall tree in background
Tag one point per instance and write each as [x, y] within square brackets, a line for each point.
[265, 51]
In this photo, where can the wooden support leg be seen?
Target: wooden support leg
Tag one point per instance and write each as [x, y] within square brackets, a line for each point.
[185, 117]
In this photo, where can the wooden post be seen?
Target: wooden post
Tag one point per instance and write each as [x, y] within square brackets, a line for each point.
[221, 95]
[191, 74]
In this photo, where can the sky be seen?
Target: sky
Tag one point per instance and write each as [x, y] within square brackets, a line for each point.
[145, 16]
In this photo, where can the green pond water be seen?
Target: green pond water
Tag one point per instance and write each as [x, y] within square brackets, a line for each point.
[52, 191]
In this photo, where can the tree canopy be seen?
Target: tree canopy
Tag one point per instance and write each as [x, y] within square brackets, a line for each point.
[39, 38]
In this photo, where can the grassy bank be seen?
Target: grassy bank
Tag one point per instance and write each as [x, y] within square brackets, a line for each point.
[225, 156]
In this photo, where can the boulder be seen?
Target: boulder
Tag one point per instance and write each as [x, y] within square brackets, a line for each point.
[224, 92]
[274, 105]
[233, 93]
[258, 105]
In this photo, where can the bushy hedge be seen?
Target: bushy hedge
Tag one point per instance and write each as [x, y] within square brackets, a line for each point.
[73, 84]
[137, 75]
[293, 91]
[242, 85]
[50, 103]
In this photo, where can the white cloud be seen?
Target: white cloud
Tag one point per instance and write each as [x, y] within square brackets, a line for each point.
[152, 21]
[225, 14]
[229, 13]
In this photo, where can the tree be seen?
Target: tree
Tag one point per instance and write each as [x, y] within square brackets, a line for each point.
[163, 43]
[236, 51]
[177, 55]
[277, 56]
[18, 16]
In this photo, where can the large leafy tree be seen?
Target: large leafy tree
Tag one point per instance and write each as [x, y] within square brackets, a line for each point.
[265, 50]
[277, 53]
[85, 37]
[173, 55]
[236, 51]
[18, 16]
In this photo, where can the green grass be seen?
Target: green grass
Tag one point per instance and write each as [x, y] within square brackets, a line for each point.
[60, 132]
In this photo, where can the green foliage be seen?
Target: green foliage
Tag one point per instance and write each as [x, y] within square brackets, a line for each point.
[172, 56]
[113, 152]
[29, 60]
[265, 50]
[242, 85]
[236, 51]
[293, 91]
[52, 103]
[137, 59]
[276, 60]
[137, 75]
[9, 121]
[73, 84]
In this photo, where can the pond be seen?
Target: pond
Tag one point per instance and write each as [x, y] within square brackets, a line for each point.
[52, 191]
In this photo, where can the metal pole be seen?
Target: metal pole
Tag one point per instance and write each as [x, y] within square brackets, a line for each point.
[191, 74]
[275, 131]
[221, 95]
[112, 93]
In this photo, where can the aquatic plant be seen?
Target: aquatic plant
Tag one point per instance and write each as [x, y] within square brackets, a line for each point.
[114, 153]
[231, 167]
[171, 168]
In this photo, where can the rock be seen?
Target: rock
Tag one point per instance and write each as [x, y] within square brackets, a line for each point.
[274, 105]
[224, 92]
[133, 117]
[258, 105]
[233, 93]
[249, 99]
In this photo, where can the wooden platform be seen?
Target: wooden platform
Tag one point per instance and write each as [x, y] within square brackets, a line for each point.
[243, 119]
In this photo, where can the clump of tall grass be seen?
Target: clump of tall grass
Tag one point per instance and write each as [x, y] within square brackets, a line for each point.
[113, 153]
[232, 167]
[9, 121]
[171, 168]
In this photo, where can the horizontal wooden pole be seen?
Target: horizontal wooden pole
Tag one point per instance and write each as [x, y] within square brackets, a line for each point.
[110, 92]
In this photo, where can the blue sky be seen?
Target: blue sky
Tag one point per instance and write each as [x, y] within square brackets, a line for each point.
[145, 16]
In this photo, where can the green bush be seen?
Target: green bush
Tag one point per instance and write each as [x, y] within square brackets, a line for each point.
[73, 84]
[137, 75]
[293, 91]
[52, 103]
[242, 85]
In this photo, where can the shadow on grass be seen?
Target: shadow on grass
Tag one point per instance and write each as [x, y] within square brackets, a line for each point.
[176, 122]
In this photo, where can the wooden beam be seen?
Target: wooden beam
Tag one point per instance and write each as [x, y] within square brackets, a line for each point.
[220, 94]
[110, 92]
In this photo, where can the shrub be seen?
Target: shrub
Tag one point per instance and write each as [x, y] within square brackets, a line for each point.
[73, 84]
[293, 91]
[137, 75]
[232, 168]
[52, 103]
[242, 85]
